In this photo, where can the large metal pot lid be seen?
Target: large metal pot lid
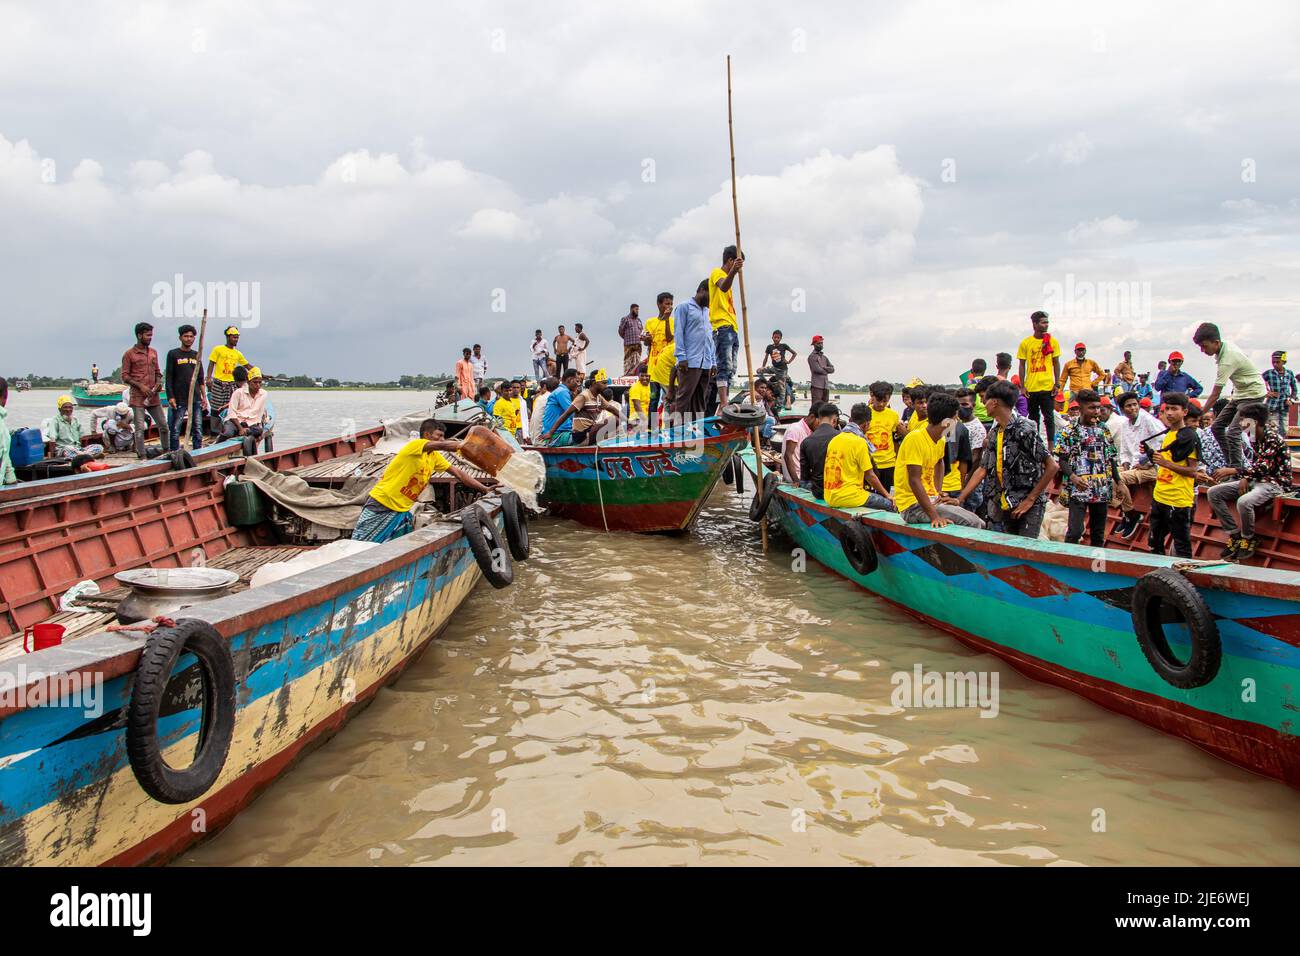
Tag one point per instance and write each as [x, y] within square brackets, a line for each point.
[187, 580]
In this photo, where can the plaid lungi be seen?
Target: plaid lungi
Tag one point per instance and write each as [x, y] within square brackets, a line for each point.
[218, 395]
[377, 523]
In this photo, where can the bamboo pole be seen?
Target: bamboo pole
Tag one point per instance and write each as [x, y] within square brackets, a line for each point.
[194, 377]
[744, 312]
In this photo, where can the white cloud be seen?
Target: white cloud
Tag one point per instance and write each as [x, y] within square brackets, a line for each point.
[499, 224]
[1101, 230]
[1072, 151]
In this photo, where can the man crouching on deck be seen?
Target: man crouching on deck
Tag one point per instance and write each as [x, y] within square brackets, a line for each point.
[387, 512]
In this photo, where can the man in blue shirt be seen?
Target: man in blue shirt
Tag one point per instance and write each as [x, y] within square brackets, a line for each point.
[696, 360]
[557, 403]
[1174, 379]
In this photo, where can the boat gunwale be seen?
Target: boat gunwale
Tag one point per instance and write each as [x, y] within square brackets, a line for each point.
[109, 655]
[731, 433]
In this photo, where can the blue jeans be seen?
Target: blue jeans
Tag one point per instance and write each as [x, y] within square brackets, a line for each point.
[726, 345]
[177, 414]
[539, 368]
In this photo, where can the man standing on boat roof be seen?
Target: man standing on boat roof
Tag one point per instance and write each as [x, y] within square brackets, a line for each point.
[1018, 462]
[479, 364]
[821, 368]
[1248, 387]
[540, 354]
[722, 318]
[697, 362]
[140, 370]
[465, 374]
[562, 343]
[222, 362]
[1040, 373]
[387, 512]
[630, 331]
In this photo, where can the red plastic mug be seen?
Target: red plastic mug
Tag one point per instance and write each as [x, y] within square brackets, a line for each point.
[45, 635]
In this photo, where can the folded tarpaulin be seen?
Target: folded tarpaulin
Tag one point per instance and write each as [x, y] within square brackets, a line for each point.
[332, 508]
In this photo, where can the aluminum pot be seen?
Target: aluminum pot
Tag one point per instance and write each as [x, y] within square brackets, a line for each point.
[157, 591]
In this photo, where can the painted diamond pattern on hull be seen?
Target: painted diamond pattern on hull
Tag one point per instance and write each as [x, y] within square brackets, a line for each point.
[1029, 580]
[1121, 598]
[944, 559]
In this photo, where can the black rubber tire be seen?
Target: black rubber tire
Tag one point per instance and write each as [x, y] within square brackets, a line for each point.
[180, 459]
[859, 549]
[743, 415]
[763, 496]
[148, 696]
[728, 471]
[738, 471]
[516, 518]
[1159, 597]
[484, 543]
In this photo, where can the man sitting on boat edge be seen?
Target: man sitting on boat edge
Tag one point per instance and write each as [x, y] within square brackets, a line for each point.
[387, 512]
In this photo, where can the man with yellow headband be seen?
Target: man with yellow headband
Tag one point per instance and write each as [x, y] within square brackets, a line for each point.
[62, 433]
[222, 362]
[246, 415]
[588, 409]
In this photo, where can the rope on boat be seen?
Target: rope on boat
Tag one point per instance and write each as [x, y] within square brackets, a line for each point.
[599, 493]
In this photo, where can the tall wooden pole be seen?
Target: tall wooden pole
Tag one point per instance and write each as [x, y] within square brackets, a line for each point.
[188, 411]
[744, 312]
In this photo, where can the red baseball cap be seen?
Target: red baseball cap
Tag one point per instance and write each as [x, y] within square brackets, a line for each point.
[1175, 356]
[818, 338]
[1145, 403]
[1105, 400]
[1079, 345]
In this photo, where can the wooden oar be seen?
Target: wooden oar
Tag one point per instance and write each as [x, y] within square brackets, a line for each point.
[744, 312]
[194, 377]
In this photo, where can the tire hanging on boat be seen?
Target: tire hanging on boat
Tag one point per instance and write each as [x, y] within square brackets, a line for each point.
[728, 471]
[763, 496]
[859, 549]
[516, 517]
[738, 470]
[493, 560]
[1163, 597]
[216, 670]
[181, 459]
[743, 414]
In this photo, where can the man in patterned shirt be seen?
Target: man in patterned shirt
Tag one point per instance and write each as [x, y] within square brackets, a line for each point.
[1089, 461]
[1267, 478]
[1282, 391]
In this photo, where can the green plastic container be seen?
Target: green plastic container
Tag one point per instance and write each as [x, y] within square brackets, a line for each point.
[244, 504]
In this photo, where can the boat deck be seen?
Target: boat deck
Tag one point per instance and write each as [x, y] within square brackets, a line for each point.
[103, 606]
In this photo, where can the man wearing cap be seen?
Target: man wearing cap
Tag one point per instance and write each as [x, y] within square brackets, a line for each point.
[247, 414]
[821, 368]
[1282, 393]
[1174, 379]
[140, 370]
[62, 433]
[1081, 372]
[222, 362]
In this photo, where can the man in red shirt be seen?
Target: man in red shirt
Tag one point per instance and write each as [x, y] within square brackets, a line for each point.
[140, 370]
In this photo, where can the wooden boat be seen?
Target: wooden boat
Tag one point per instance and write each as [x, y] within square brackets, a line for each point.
[82, 396]
[1069, 615]
[640, 482]
[91, 526]
[284, 667]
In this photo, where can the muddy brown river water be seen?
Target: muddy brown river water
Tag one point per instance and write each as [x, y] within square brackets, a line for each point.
[659, 700]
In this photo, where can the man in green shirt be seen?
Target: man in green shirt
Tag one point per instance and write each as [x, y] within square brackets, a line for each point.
[1247, 388]
[63, 432]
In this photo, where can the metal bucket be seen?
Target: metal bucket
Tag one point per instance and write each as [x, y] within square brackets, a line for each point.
[157, 591]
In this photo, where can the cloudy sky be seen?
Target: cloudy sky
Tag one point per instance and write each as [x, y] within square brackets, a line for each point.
[403, 179]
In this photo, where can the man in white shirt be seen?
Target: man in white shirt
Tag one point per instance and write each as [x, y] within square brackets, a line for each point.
[479, 364]
[581, 342]
[1135, 465]
[540, 354]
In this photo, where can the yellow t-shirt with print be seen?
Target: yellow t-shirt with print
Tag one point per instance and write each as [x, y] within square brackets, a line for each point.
[880, 432]
[638, 393]
[406, 476]
[1038, 367]
[506, 410]
[915, 422]
[844, 479]
[224, 361]
[917, 449]
[661, 369]
[656, 328]
[722, 311]
[1176, 491]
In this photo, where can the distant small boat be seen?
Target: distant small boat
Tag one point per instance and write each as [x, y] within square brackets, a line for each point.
[22, 385]
[104, 393]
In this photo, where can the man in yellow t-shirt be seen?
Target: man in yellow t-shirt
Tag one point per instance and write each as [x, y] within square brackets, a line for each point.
[387, 512]
[658, 334]
[1040, 374]
[883, 431]
[847, 473]
[506, 409]
[638, 403]
[222, 362]
[1174, 494]
[663, 371]
[917, 470]
[722, 317]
